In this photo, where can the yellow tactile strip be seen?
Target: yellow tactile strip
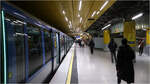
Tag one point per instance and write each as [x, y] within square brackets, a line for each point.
[70, 70]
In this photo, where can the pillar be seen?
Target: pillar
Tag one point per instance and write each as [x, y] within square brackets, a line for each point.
[106, 39]
[130, 33]
[147, 48]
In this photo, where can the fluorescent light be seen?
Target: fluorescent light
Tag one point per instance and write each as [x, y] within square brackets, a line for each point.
[106, 26]
[137, 16]
[103, 5]
[80, 19]
[80, 4]
[97, 12]
[78, 15]
[70, 22]
[64, 12]
[66, 19]
[93, 13]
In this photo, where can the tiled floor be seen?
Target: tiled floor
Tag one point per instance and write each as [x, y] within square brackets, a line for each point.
[98, 69]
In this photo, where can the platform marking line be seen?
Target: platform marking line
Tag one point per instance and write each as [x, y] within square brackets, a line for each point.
[70, 70]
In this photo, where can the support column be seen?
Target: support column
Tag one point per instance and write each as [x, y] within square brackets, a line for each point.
[130, 33]
[106, 39]
[148, 42]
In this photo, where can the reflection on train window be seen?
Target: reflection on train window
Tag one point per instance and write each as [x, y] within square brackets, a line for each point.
[47, 39]
[15, 49]
[62, 43]
[34, 48]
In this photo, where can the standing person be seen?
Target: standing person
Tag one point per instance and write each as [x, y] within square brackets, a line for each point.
[124, 66]
[91, 44]
[112, 47]
[141, 46]
[82, 43]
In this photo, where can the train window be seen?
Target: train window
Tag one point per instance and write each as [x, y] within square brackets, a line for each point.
[56, 50]
[15, 49]
[48, 44]
[34, 48]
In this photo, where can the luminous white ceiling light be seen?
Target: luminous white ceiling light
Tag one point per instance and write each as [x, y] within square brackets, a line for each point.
[106, 26]
[103, 5]
[93, 13]
[80, 4]
[78, 15]
[80, 19]
[66, 19]
[97, 12]
[137, 16]
[64, 12]
[70, 22]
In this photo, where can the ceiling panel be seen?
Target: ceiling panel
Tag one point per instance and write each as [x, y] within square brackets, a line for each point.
[51, 12]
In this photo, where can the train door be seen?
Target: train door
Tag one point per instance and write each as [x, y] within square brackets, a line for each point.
[48, 47]
[65, 45]
[15, 49]
[62, 50]
[56, 50]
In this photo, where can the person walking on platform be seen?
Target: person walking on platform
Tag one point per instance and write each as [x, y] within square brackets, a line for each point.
[141, 46]
[124, 66]
[91, 44]
[112, 47]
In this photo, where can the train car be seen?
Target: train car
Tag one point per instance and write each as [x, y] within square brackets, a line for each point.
[30, 50]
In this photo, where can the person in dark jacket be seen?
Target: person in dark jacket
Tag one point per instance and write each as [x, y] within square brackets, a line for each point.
[91, 44]
[112, 47]
[124, 66]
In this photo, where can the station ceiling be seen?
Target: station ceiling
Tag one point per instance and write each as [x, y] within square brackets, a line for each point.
[121, 10]
[65, 14]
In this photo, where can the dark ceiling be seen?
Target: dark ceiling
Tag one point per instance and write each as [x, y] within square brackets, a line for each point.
[119, 11]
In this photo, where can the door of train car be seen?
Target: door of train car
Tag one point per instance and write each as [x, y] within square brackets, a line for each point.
[15, 49]
[65, 44]
[56, 50]
[48, 48]
[62, 47]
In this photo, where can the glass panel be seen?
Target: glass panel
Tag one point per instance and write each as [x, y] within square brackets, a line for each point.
[15, 49]
[47, 39]
[34, 48]
[62, 43]
[56, 51]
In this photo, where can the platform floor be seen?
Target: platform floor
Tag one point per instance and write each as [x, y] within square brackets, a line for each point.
[97, 68]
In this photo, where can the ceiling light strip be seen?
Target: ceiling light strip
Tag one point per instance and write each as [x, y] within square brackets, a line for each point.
[104, 5]
[98, 12]
[64, 12]
[137, 16]
[93, 13]
[66, 19]
[80, 19]
[106, 26]
[80, 4]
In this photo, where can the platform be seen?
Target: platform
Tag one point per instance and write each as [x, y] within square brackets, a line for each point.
[96, 68]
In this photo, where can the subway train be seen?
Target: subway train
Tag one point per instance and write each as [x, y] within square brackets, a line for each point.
[31, 51]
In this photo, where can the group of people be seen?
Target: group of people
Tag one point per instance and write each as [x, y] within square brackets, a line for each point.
[124, 61]
[90, 43]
